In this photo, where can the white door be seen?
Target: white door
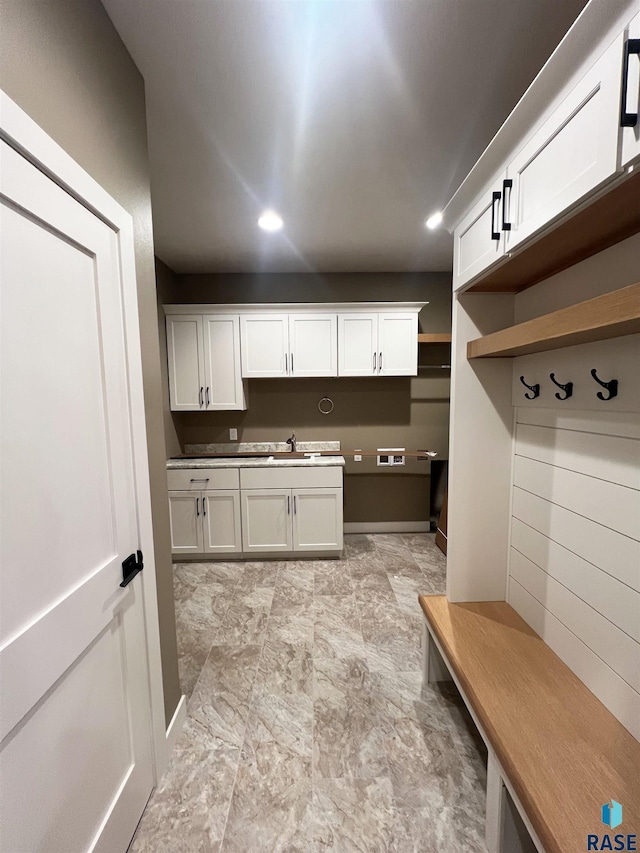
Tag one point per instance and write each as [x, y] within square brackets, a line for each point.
[357, 344]
[478, 241]
[75, 755]
[317, 519]
[185, 353]
[221, 521]
[313, 344]
[266, 520]
[223, 388]
[398, 344]
[574, 152]
[265, 345]
[630, 107]
[185, 521]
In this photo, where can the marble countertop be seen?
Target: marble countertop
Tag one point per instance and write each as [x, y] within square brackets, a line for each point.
[194, 461]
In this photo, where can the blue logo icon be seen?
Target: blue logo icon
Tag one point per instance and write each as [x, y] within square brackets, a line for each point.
[612, 814]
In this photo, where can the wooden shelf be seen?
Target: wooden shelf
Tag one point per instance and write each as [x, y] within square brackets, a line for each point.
[612, 315]
[608, 220]
[434, 339]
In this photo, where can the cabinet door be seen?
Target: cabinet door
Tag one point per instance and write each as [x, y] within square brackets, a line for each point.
[221, 521]
[357, 344]
[573, 153]
[317, 519]
[265, 345]
[478, 241]
[398, 344]
[630, 152]
[222, 374]
[185, 522]
[185, 354]
[313, 344]
[266, 520]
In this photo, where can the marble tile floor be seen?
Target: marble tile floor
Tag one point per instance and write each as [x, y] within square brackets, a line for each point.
[308, 727]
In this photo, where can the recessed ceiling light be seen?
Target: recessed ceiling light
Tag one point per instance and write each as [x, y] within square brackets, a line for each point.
[434, 220]
[270, 221]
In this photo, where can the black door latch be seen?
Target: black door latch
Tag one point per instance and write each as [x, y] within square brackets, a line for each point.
[130, 567]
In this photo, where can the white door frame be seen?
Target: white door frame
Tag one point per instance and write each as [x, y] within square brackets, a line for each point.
[23, 134]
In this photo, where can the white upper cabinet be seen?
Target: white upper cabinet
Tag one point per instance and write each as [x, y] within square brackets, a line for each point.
[398, 344]
[203, 355]
[630, 97]
[223, 388]
[265, 345]
[185, 352]
[479, 239]
[571, 155]
[358, 344]
[313, 344]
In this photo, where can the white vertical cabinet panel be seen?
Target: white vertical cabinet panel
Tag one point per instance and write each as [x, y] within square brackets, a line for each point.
[398, 344]
[317, 519]
[617, 649]
[475, 248]
[611, 598]
[573, 153]
[630, 147]
[612, 552]
[612, 690]
[224, 389]
[358, 344]
[221, 521]
[184, 521]
[265, 345]
[313, 344]
[266, 520]
[185, 352]
[606, 457]
[617, 507]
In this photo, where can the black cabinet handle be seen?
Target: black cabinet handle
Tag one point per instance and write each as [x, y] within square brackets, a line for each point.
[197, 506]
[628, 119]
[507, 184]
[288, 504]
[200, 396]
[495, 235]
[207, 396]
[374, 362]
[380, 362]
[295, 509]
[204, 507]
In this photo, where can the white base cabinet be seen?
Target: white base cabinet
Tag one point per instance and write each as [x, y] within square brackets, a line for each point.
[205, 522]
[317, 519]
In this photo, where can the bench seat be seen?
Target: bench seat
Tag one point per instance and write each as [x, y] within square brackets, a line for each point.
[562, 751]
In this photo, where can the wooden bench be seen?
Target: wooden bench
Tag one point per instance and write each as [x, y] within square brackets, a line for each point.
[555, 748]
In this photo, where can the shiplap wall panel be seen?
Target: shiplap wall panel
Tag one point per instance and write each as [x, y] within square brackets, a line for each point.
[617, 507]
[612, 690]
[574, 562]
[617, 649]
[614, 553]
[604, 593]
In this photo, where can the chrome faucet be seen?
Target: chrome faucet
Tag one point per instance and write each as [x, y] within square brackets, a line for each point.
[292, 441]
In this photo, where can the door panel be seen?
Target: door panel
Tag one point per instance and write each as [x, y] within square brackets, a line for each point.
[266, 520]
[265, 345]
[68, 520]
[631, 135]
[313, 344]
[357, 344]
[221, 521]
[185, 523]
[185, 352]
[398, 344]
[317, 519]
[475, 250]
[222, 373]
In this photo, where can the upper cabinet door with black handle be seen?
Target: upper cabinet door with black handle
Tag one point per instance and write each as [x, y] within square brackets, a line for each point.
[630, 97]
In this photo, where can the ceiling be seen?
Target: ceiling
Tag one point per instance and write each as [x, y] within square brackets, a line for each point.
[354, 119]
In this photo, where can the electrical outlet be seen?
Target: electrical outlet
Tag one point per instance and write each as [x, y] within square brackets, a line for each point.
[233, 434]
[357, 456]
[391, 456]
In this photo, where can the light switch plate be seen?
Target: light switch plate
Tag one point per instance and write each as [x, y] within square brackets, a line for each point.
[233, 434]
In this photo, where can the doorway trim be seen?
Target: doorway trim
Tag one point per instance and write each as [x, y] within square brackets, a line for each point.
[19, 131]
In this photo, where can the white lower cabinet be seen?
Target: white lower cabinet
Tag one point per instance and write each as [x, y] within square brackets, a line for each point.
[317, 519]
[266, 520]
[221, 522]
[184, 523]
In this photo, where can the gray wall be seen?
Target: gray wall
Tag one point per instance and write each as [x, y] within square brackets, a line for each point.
[64, 64]
[369, 413]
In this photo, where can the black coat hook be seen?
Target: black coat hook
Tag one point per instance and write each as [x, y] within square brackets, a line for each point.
[568, 388]
[535, 389]
[611, 386]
